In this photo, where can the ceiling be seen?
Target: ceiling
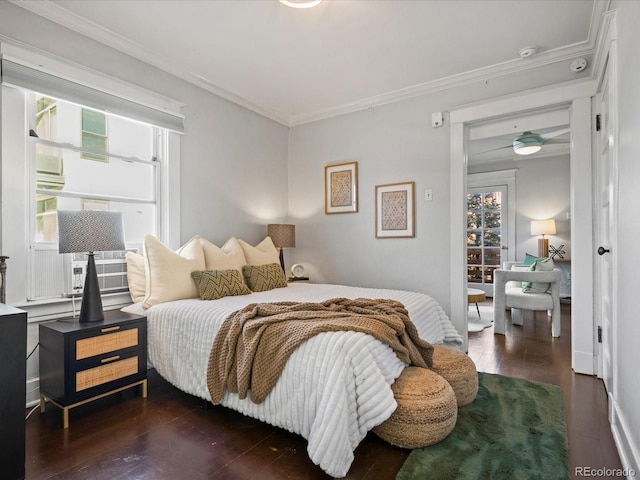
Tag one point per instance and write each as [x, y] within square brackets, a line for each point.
[300, 65]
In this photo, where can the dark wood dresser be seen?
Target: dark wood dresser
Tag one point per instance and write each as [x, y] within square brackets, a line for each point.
[13, 384]
[81, 362]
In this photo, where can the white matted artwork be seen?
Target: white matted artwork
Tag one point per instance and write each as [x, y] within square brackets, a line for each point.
[395, 213]
[341, 188]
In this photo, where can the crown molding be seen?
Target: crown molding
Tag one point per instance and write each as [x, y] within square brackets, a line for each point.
[472, 76]
[60, 15]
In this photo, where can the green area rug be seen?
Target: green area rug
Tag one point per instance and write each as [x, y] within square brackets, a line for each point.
[515, 429]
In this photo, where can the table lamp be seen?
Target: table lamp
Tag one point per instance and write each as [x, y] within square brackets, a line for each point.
[543, 227]
[283, 236]
[90, 231]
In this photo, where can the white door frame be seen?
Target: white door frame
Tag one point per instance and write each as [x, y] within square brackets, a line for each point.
[577, 95]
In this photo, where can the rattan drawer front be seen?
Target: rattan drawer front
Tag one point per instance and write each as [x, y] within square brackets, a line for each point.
[106, 373]
[92, 346]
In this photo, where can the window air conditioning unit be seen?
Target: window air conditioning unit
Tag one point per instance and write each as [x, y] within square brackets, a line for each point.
[111, 268]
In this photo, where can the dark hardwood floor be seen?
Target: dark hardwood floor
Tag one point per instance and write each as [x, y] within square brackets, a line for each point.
[172, 435]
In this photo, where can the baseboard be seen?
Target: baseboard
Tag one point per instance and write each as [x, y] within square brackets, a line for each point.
[628, 451]
[582, 362]
[33, 392]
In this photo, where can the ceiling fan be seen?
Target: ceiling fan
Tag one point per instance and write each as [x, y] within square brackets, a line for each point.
[530, 142]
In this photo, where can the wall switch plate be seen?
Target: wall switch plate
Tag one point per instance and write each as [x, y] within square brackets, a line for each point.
[436, 119]
[428, 195]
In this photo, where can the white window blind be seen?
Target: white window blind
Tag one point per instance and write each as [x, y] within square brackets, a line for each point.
[23, 76]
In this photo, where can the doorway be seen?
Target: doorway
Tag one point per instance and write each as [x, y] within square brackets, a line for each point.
[577, 97]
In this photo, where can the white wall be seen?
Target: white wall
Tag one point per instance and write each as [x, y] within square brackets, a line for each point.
[392, 143]
[627, 333]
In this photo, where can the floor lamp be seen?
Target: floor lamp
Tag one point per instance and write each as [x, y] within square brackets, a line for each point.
[90, 231]
[543, 227]
[283, 236]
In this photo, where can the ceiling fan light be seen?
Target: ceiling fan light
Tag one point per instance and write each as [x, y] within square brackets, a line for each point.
[526, 145]
[300, 3]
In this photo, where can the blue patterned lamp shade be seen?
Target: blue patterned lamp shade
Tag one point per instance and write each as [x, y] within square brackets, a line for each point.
[89, 231]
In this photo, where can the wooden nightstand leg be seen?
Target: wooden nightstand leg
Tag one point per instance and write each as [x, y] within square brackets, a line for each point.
[144, 389]
[42, 404]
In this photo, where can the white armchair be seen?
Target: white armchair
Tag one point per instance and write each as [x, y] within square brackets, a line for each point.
[508, 294]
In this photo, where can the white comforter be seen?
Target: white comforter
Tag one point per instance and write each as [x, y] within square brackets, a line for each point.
[334, 388]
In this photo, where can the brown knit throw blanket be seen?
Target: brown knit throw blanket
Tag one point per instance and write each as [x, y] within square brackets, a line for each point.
[254, 343]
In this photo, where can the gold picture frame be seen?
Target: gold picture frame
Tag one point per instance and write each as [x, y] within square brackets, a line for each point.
[395, 210]
[341, 188]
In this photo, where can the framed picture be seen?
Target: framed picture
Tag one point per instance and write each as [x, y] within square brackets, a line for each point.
[341, 188]
[395, 212]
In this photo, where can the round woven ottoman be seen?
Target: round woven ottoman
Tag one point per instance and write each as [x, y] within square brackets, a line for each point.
[459, 370]
[426, 413]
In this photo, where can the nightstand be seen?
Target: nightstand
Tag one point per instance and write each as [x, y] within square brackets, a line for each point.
[82, 362]
[298, 279]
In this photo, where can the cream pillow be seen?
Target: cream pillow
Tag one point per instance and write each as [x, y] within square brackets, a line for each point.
[229, 256]
[136, 277]
[262, 254]
[540, 265]
[169, 273]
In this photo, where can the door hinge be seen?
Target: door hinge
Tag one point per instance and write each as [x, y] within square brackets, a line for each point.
[599, 334]
[597, 122]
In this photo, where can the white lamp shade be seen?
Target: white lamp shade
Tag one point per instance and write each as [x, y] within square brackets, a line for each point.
[543, 227]
[89, 231]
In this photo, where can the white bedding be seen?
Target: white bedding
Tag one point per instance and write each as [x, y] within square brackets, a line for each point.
[334, 388]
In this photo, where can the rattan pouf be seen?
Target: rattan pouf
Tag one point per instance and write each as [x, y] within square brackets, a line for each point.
[459, 370]
[426, 413]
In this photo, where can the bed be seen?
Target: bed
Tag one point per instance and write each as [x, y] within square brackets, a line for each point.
[334, 388]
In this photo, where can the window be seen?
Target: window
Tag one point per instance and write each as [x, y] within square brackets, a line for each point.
[122, 175]
[124, 181]
[484, 234]
[134, 168]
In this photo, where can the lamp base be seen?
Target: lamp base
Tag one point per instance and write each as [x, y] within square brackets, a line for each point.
[543, 247]
[91, 309]
[282, 258]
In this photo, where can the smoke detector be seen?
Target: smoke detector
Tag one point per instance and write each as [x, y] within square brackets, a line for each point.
[578, 65]
[527, 51]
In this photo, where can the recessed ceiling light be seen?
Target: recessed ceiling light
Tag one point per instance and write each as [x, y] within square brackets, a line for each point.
[300, 3]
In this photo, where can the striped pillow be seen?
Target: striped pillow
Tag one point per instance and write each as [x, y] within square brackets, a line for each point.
[214, 284]
[261, 278]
